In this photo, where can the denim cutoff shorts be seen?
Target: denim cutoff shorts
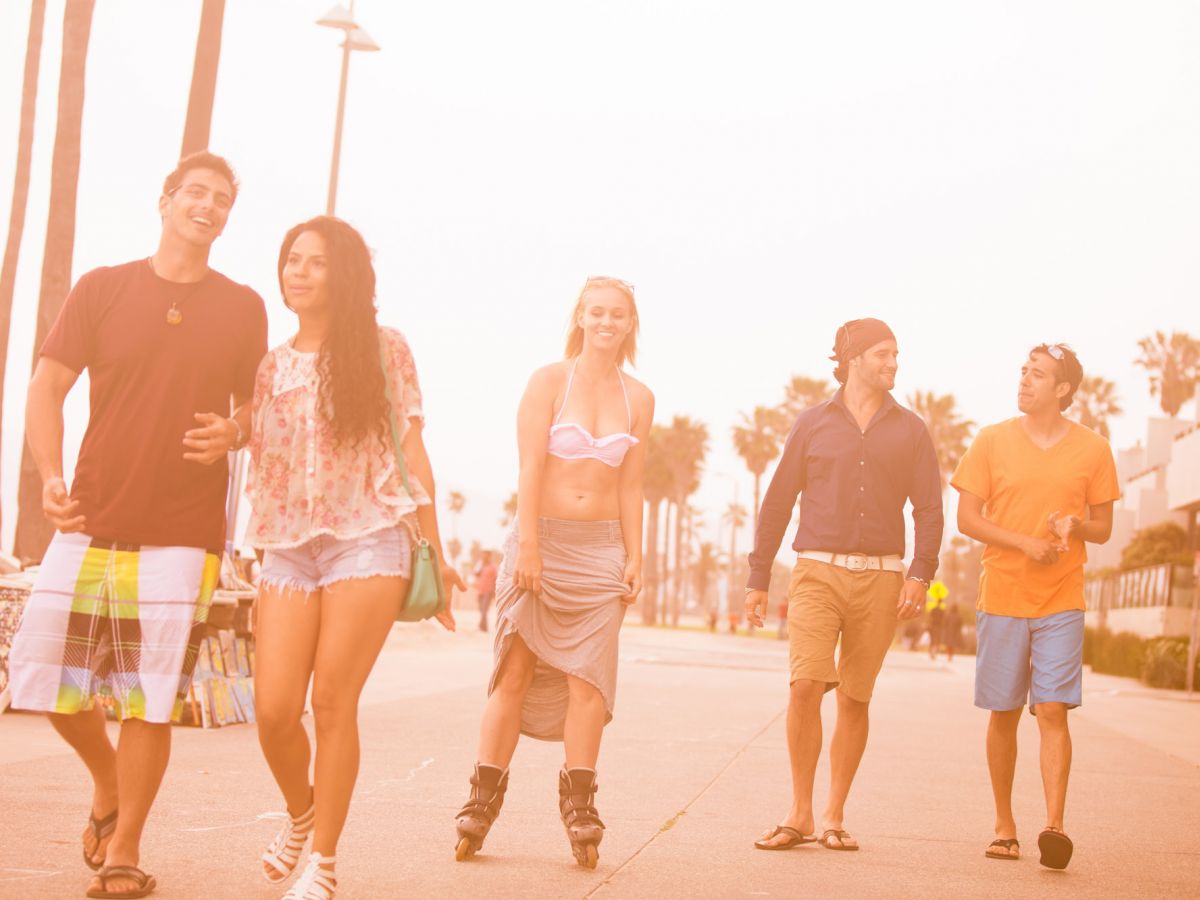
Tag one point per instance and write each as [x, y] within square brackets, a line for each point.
[325, 559]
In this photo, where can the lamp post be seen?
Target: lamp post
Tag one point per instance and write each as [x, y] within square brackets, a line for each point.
[355, 38]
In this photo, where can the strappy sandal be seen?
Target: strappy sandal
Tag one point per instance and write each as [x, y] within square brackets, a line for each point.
[284, 852]
[101, 828]
[145, 883]
[314, 883]
[841, 836]
[1005, 846]
[794, 839]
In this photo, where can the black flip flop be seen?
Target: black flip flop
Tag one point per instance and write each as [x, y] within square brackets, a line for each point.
[841, 837]
[794, 839]
[1056, 848]
[101, 828]
[1005, 844]
[145, 883]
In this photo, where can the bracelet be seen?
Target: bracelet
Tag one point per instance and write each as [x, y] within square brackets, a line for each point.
[915, 578]
[239, 440]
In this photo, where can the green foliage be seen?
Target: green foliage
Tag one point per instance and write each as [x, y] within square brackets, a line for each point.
[1113, 654]
[1162, 543]
[1173, 364]
[1166, 663]
[1158, 662]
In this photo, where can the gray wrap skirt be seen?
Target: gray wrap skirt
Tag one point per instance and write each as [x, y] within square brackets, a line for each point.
[572, 627]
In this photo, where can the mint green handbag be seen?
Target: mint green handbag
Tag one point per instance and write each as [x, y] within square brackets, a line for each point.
[426, 594]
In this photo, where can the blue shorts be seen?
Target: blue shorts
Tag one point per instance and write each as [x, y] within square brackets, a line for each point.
[1039, 660]
[324, 560]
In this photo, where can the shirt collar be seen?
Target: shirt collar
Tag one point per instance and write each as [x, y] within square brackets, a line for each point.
[889, 403]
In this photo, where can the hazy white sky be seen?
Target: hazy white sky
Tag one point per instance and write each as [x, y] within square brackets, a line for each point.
[982, 176]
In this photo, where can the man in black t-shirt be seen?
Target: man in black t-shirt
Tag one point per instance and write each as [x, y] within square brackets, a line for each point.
[121, 600]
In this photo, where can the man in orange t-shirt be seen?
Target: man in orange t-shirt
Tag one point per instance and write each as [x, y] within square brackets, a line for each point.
[1034, 489]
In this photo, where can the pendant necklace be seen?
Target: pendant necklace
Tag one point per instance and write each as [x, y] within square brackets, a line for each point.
[175, 314]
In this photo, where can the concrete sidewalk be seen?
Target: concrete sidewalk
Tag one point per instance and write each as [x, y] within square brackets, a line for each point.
[694, 766]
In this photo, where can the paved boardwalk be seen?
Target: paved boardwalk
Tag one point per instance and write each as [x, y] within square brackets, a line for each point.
[693, 767]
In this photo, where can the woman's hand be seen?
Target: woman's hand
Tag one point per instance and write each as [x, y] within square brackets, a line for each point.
[527, 574]
[450, 580]
[633, 578]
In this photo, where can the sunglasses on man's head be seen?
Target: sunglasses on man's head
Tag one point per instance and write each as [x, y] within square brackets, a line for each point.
[1057, 351]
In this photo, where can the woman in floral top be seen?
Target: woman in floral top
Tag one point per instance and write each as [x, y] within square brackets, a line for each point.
[332, 514]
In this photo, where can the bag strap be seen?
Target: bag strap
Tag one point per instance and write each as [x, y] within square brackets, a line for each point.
[401, 462]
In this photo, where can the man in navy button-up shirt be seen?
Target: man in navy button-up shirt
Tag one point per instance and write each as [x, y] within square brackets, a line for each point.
[854, 461]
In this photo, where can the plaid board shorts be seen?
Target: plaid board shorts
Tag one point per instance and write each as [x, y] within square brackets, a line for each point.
[118, 620]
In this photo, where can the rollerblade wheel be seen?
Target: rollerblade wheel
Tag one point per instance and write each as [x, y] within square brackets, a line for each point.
[464, 850]
[591, 856]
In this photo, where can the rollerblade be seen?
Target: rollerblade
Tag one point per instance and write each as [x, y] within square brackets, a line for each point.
[577, 805]
[475, 819]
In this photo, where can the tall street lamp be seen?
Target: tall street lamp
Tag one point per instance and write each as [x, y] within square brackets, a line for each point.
[355, 39]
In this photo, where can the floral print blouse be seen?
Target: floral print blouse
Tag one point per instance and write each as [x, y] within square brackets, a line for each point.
[299, 485]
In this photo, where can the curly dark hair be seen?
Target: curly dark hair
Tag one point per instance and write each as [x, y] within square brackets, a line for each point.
[352, 395]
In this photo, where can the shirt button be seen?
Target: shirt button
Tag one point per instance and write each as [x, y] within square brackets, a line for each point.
[862, 462]
[861, 488]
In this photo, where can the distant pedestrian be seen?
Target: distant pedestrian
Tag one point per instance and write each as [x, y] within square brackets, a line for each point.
[331, 510]
[572, 565]
[485, 586]
[1034, 489]
[951, 631]
[934, 623]
[855, 461]
[120, 602]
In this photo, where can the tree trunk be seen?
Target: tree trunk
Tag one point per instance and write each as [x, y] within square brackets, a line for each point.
[20, 194]
[754, 512]
[650, 567]
[680, 556]
[33, 531]
[664, 572]
[204, 78]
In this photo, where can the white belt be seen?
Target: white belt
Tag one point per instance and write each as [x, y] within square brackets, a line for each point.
[855, 562]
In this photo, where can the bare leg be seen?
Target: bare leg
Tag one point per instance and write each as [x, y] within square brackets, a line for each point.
[87, 734]
[287, 625]
[1056, 759]
[584, 725]
[845, 753]
[1002, 764]
[501, 725]
[804, 747]
[285, 646]
[142, 755]
[356, 617]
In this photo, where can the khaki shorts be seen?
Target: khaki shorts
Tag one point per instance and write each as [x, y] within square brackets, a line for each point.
[825, 601]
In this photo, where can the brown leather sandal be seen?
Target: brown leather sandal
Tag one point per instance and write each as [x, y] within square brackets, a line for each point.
[145, 883]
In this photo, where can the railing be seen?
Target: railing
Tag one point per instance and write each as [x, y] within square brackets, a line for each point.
[1148, 586]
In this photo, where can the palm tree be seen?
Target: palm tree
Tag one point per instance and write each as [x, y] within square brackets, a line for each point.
[510, 510]
[20, 194]
[703, 569]
[687, 445]
[950, 432]
[1095, 403]
[758, 440]
[33, 530]
[656, 486]
[735, 516]
[455, 501]
[803, 392]
[1174, 365]
[204, 78]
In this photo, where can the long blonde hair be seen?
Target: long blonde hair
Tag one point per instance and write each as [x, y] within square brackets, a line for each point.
[628, 348]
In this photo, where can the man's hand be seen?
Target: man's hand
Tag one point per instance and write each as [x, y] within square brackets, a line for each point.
[912, 598]
[1040, 550]
[756, 607]
[59, 508]
[214, 438]
[1061, 527]
[633, 578]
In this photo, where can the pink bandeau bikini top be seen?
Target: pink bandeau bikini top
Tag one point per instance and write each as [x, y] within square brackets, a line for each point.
[570, 440]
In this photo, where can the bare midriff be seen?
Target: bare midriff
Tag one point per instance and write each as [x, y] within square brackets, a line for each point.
[583, 490]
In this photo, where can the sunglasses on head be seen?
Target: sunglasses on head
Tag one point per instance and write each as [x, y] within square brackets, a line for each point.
[608, 279]
[1058, 351]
